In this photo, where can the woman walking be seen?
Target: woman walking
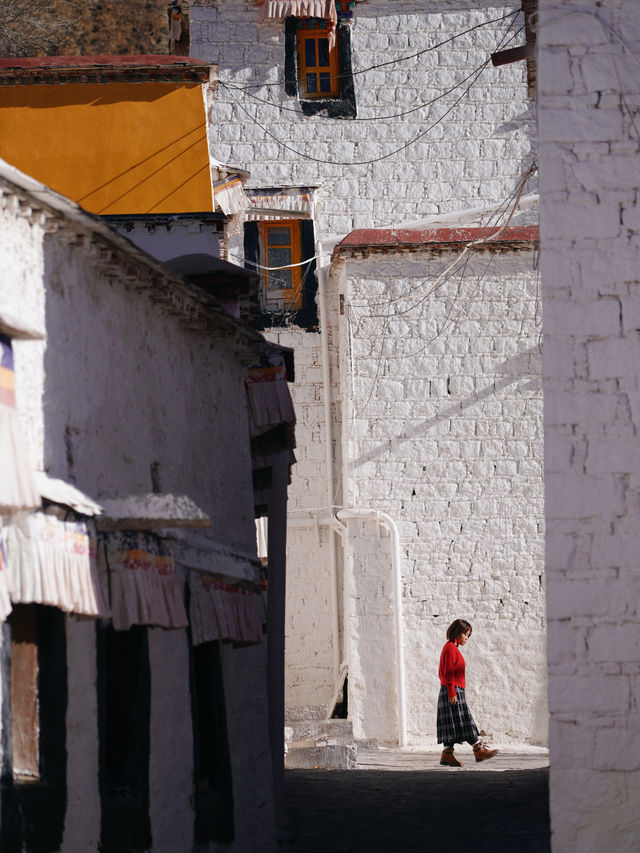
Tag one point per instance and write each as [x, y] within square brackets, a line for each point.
[455, 723]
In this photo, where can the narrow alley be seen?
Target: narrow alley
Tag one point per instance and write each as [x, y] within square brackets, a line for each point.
[405, 810]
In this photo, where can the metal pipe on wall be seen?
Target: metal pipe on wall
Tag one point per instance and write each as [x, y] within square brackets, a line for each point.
[326, 382]
[387, 521]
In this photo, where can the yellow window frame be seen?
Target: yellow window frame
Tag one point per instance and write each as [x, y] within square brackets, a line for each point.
[312, 38]
[281, 298]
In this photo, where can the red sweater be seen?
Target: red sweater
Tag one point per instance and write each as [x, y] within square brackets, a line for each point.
[451, 670]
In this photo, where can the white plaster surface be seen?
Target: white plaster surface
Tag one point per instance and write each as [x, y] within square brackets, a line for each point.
[589, 155]
[473, 156]
[442, 421]
[167, 240]
[121, 392]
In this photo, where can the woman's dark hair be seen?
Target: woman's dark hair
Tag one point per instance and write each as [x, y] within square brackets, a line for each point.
[457, 628]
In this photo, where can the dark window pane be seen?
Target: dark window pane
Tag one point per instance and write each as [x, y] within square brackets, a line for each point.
[281, 280]
[279, 236]
[312, 83]
[279, 258]
[310, 53]
[323, 52]
[325, 82]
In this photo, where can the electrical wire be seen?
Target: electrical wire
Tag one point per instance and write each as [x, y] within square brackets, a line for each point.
[512, 199]
[440, 282]
[285, 267]
[299, 112]
[388, 62]
[383, 156]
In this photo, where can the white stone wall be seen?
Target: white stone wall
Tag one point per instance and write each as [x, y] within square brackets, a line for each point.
[311, 644]
[119, 385]
[443, 424]
[473, 156]
[589, 156]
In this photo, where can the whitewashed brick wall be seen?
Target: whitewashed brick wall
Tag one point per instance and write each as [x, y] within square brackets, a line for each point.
[473, 157]
[444, 433]
[310, 637]
[120, 383]
[590, 179]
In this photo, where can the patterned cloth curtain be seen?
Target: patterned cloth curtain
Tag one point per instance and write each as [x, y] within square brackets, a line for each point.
[299, 9]
[51, 560]
[221, 611]
[18, 488]
[268, 397]
[145, 587]
[292, 200]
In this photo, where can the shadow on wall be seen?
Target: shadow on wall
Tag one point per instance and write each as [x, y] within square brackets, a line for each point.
[526, 363]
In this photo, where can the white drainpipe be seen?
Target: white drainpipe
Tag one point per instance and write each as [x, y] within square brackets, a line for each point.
[386, 521]
[326, 381]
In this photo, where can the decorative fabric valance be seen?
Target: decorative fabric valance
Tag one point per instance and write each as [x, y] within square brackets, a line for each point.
[5, 600]
[277, 9]
[285, 203]
[18, 488]
[50, 560]
[229, 195]
[222, 611]
[145, 587]
[268, 398]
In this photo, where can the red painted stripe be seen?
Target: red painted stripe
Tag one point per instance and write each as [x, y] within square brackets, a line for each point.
[150, 60]
[393, 237]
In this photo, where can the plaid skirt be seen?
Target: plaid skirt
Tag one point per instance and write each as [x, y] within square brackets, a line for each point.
[455, 723]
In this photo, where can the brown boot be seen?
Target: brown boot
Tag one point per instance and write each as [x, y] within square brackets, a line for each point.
[482, 753]
[448, 758]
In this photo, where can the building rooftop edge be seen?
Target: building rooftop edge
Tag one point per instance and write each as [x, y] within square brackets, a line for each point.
[104, 68]
[41, 196]
[149, 60]
[392, 238]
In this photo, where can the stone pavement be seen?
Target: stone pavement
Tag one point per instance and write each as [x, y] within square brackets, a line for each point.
[403, 801]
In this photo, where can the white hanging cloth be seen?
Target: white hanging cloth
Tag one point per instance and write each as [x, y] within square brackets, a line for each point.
[145, 586]
[326, 9]
[229, 195]
[286, 203]
[277, 9]
[52, 560]
[222, 611]
[268, 398]
[5, 600]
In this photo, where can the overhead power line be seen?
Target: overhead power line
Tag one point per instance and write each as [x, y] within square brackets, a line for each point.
[418, 53]
[401, 148]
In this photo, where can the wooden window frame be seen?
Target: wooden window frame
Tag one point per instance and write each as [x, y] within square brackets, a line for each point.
[306, 34]
[286, 298]
[340, 105]
[34, 803]
[306, 316]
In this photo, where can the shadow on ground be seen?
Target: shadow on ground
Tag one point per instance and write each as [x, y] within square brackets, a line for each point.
[355, 811]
